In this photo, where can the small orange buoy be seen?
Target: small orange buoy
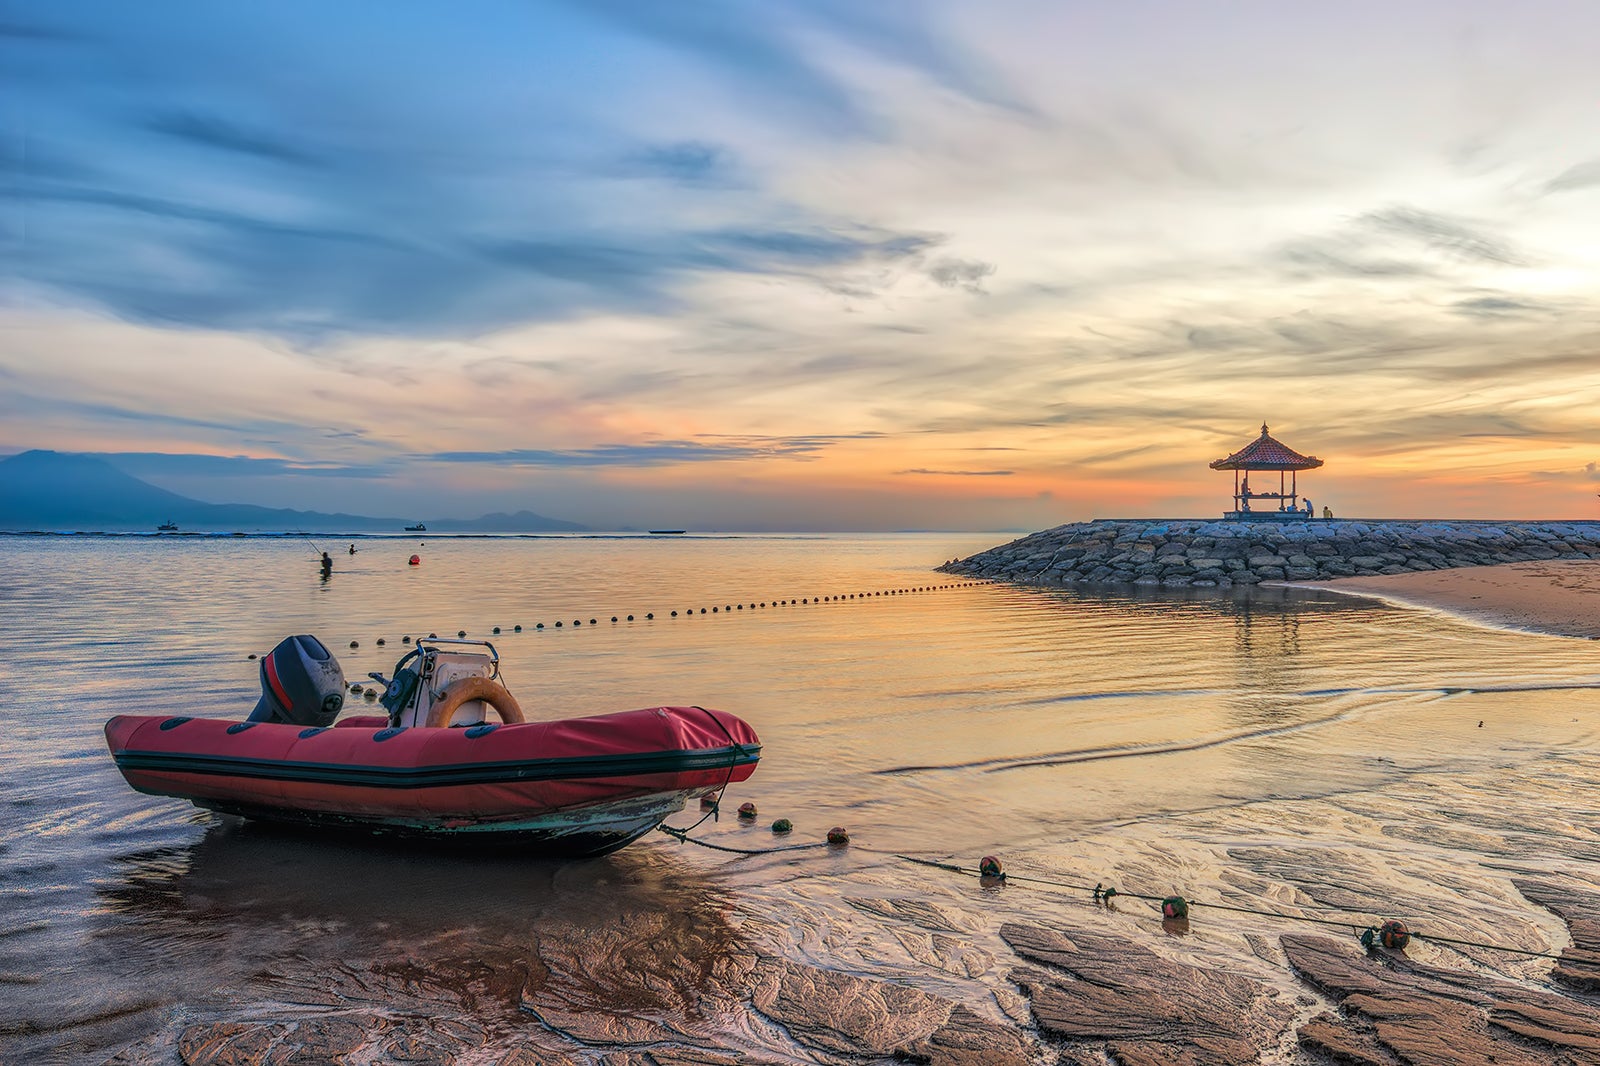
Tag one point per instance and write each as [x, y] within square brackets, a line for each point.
[747, 810]
[416, 560]
[708, 803]
[1394, 935]
[839, 835]
[989, 866]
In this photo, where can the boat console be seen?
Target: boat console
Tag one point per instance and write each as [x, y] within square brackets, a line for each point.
[440, 683]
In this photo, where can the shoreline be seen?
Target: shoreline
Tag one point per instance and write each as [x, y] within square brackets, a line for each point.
[1559, 598]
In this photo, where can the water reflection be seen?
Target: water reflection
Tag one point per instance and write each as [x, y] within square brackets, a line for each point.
[1260, 651]
[1246, 601]
[606, 951]
[243, 872]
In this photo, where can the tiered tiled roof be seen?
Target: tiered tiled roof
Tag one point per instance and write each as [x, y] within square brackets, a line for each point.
[1264, 453]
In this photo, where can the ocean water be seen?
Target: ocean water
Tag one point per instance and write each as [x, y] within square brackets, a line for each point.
[1281, 749]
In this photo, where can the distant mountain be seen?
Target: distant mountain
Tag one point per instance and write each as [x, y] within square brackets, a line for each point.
[45, 490]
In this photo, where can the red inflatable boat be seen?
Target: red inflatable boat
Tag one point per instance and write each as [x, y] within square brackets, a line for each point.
[436, 765]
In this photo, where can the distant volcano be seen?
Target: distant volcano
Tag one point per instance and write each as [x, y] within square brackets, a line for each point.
[46, 490]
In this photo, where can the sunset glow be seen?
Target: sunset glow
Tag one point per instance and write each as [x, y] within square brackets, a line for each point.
[807, 265]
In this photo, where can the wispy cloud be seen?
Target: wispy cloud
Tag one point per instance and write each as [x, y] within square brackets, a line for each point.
[211, 131]
[965, 274]
[159, 464]
[1459, 237]
[694, 163]
[656, 453]
[1583, 175]
[1499, 307]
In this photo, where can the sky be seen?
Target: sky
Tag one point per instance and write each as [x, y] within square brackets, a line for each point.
[984, 264]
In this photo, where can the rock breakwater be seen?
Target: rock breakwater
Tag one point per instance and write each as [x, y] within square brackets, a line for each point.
[1222, 554]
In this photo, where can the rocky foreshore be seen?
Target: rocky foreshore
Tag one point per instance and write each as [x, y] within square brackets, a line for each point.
[1220, 553]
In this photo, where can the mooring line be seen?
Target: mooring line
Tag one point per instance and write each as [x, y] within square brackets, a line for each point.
[1390, 934]
[1102, 895]
[682, 836]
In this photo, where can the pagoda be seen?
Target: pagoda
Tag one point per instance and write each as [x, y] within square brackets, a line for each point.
[1264, 455]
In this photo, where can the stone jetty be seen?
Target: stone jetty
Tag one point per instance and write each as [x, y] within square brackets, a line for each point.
[1190, 552]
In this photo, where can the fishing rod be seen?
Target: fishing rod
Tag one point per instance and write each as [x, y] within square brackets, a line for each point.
[311, 542]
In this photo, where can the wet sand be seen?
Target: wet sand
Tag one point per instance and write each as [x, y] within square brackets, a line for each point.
[1559, 598]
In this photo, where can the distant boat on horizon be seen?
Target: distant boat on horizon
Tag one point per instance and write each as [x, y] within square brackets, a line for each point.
[418, 528]
[667, 532]
[169, 526]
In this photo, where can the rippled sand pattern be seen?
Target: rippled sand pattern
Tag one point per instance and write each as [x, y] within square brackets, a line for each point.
[1313, 755]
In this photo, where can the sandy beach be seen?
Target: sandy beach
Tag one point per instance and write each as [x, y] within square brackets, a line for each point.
[1559, 598]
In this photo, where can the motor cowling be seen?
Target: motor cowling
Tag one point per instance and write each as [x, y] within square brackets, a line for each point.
[301, 684]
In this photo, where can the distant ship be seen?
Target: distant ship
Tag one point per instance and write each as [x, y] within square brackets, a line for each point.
[169, 526]
[418, 528]
[667, 532]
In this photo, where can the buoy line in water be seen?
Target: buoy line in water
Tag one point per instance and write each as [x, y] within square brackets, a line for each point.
[1391, 933]
[724, 609]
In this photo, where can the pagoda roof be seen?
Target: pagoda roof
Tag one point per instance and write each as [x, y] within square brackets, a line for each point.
[1265, 453]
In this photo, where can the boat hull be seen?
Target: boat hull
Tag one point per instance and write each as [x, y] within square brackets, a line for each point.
[579, 786]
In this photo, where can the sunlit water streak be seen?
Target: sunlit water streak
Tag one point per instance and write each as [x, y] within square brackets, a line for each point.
[1286, 748]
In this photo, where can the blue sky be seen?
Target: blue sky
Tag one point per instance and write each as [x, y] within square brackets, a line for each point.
[805, 265]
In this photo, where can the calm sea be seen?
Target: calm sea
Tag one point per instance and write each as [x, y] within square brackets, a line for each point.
[1274, 748]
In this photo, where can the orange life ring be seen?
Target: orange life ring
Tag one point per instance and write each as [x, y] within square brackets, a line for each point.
[475, 688]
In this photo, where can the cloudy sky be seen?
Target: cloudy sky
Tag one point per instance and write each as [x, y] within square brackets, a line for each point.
[801, 265]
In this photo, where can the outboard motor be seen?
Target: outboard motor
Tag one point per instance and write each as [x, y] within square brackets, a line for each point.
[301, 684]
